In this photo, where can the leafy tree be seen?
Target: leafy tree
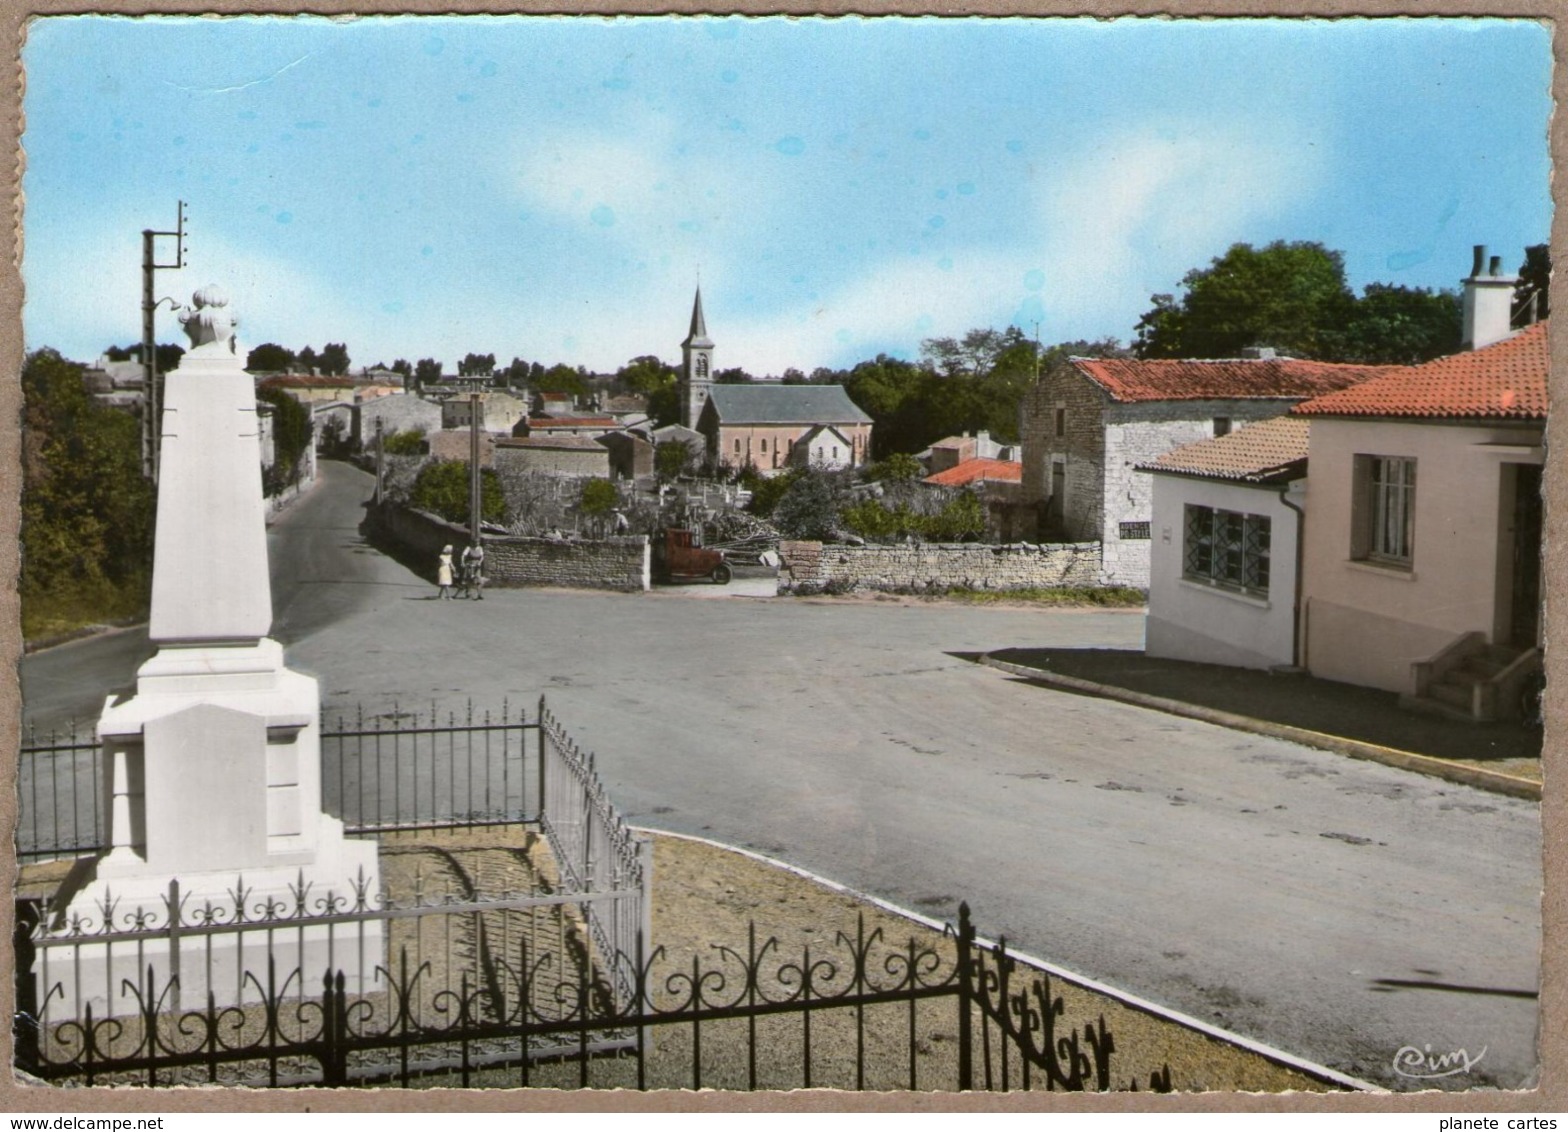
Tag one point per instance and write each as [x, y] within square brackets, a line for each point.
[900, 467]
[766, 491]
[269, 357]
[808, 509]
[672, 458]
[597, 497]
[334, 359]
[406, 442]
[120, 353]
[793, 376]
[87, 512]
[1535, 280]
[427, 371]
[401, 366]
[442, 489]
[516, 374]
[561, 378]
[167, 355]
[1394, 325]
[1287, 295]
[291, 438]
[307, 360]
[476, 365]
[732, 376]
[962, 517]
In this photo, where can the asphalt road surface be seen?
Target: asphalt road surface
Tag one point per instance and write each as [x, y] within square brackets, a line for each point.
[1337, 909]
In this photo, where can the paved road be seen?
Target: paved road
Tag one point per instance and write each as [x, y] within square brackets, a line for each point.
[1338, 909]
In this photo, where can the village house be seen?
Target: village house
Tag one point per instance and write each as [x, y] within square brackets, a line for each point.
[498, 411]
[397, 412]
[1088, 423]
[308, 390]
[1422, 565]
[559, 455]
[631, 455]
[584, 426]
[457, 444]
[951, 451]
[997, 484]
[1227, 515]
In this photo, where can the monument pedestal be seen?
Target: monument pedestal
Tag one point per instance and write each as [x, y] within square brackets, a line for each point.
[214, 779]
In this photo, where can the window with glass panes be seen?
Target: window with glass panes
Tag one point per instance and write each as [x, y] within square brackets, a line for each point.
[1392, 481]
[1227, 549]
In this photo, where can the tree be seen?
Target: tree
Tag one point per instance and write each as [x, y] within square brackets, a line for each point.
[87, 512]
[406, 442]
[732, 376]
[1394, 325]
[1288, 295]
[808, 509]
[442, 489]
[307, 360]
[597, 497]
[672, 458]
[427, 371]
[401, 366]
[269, 357]
[1535, 282]
[291, 438]
[476, 365]
[516, 374]
[334, 359]
[900, 467]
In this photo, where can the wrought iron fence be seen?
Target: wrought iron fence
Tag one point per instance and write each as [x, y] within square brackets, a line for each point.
[60, 791]
[862, 1013]
[400, 770]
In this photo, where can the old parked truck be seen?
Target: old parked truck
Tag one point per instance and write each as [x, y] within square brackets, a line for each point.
[678, 557]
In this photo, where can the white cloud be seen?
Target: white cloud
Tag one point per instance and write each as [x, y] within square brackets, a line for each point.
[1140, 209]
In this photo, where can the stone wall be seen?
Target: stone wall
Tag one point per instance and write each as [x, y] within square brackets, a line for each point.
[594, 564]
[811, 567]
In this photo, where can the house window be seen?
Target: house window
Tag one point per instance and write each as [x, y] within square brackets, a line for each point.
[1386, 486]
[835, 452]
[737, 446]
[1226, 549]
[1061, 422]
[764, 444]
[1221, 426]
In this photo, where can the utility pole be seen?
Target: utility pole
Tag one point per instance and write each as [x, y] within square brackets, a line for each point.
[475, 483]
[152, 391]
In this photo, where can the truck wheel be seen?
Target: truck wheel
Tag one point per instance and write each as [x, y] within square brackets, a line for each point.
[721, 574]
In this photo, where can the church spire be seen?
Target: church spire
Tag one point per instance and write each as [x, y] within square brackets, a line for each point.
[696, 366]
[699, 326]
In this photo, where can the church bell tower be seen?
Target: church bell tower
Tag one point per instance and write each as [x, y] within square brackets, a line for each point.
[696, 366]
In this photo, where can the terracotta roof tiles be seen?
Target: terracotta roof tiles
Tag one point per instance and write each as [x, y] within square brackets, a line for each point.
[1507, 379]
[1160, 379]
[1266, 450]
[977, 470]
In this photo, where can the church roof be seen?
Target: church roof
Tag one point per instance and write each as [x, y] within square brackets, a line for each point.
[698, 337]
[784, 404]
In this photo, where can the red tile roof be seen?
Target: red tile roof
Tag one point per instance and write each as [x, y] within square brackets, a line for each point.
[572, 422]
[1137, 379]
[1260, 451]
[1504, 380]
[978, 470]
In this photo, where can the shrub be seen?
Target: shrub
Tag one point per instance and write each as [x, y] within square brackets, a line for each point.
[598, 497]
[409, 442]
[442, 489]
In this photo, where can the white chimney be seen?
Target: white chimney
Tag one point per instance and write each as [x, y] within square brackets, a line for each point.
[1488, 301]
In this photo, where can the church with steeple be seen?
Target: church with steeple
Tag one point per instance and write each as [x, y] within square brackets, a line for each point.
[696, 366]
[765, 425]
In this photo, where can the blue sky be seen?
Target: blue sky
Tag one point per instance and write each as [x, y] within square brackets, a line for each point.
[552, 188]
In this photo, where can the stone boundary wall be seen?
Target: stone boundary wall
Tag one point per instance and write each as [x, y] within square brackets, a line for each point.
[812, 567]
[510, 560]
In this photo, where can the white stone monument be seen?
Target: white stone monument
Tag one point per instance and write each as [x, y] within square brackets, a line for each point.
[214, 761]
